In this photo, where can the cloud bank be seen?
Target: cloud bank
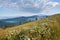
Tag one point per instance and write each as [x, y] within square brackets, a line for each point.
[33, 6]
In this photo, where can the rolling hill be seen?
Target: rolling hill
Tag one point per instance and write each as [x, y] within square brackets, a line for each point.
[43, 29]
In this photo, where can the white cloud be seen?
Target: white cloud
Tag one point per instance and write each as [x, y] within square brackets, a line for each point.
[45, 0]
[53, 3]
[36, 5]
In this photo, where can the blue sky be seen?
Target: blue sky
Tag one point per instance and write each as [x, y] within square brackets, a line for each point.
[16, 8]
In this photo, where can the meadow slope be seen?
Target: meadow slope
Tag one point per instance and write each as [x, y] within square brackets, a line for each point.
[43, 29]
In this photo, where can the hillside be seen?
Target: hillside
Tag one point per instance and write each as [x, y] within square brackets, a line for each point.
[43, 29]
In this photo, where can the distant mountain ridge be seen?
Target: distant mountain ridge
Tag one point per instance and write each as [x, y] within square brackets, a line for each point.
[19, 20]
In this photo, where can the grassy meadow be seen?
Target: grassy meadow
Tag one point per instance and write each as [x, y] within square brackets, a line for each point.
[43, 29]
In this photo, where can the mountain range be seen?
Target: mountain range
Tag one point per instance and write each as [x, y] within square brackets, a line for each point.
[19, 20]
